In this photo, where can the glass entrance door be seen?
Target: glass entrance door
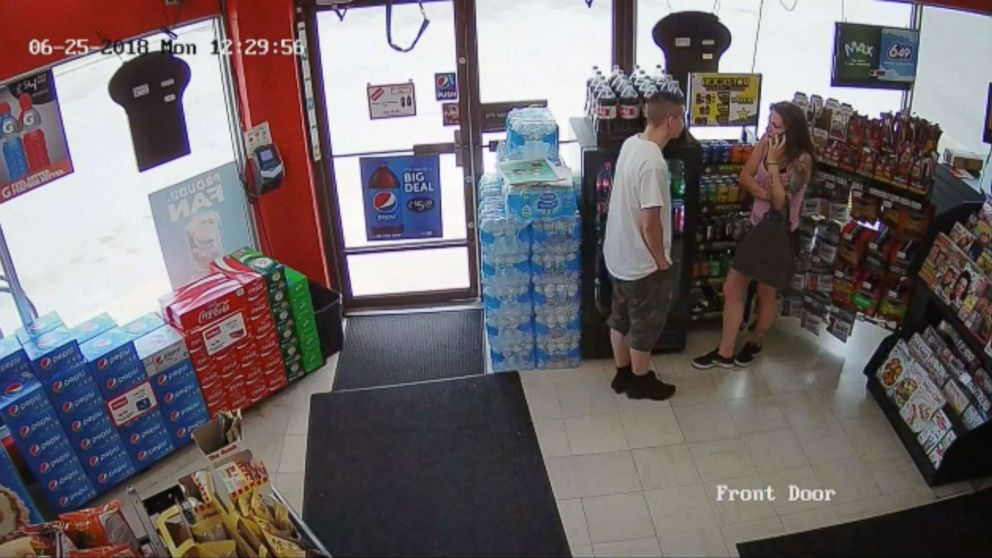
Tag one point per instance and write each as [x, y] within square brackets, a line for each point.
[400, 175]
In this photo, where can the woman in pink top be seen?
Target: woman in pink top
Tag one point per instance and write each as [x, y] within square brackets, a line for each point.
[776, 176]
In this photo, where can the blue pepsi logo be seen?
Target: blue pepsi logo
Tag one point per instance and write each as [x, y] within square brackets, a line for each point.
[13, 387]
[25, 431]
[102, 363]
[46, 363]
[34, 450]
[85, 444]
[52, 484]
[169, 397]
[94, 461]
[14, 410]
[57, 386]
[443, 81]
[76, 426]
[67, 407]
[102, 478]
[112, 383]
[181, 433]
[162, 379]
[420, 205]
[135, 438]
[174, 416]
[142, 455]
[63, 501]
[384, 202]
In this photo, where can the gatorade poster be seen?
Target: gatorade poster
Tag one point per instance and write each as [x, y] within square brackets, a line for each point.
[198, 220]
[724, 99]
[31, 136]
[875, 57]
[402, 197]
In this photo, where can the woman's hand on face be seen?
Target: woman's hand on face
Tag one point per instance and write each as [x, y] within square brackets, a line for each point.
[776, 150]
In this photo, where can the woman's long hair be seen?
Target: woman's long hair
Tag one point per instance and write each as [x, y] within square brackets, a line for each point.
[798, 140]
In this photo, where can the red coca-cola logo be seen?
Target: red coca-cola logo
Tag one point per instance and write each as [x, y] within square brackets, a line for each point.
[214, 312]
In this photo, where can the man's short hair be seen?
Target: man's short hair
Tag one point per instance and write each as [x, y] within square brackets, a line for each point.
[663, 104]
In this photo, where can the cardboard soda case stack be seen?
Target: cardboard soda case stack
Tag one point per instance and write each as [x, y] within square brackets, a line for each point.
[167, 365]
[264, 370]
[276, 279]
[81, 410]
[133, 410]
[38, 434]
[213, 316]
[301, 306]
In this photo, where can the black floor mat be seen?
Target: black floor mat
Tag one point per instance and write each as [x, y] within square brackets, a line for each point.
[954, 527]
[405, 348]
[437, 469]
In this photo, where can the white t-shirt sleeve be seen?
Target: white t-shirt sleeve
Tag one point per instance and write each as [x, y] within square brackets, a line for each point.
[649, 188]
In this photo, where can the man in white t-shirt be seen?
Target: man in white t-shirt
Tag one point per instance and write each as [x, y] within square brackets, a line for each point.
[637, 248]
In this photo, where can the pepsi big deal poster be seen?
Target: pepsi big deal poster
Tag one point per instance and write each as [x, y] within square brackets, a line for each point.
[402, 197]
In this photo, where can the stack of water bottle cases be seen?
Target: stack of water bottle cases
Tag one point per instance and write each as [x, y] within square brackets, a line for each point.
[530, 237]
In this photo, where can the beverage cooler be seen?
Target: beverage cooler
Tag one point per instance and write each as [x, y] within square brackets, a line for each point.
[685, 159]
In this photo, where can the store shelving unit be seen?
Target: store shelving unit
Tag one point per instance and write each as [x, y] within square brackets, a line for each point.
[970, 455]
[595, 333]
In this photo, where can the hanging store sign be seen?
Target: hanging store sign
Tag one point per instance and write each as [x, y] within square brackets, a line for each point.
[446, 86]
[874, 56]
[31, 136]
[717, 99]
[199, 220]
[451, 113]
[392, 100]
[402, 197]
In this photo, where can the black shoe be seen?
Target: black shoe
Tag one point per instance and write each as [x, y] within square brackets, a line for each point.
[622, 379]
[649, 387]
[711, 359]
[747, 354]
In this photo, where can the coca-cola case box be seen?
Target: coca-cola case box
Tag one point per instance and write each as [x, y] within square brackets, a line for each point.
[43, 443]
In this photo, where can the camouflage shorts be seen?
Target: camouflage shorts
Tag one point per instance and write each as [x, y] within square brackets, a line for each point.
[640, 309]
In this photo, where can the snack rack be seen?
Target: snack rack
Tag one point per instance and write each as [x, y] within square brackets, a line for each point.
[970, 454]
[148, 509]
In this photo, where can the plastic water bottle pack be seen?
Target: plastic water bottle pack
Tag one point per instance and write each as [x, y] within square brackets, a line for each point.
[513, 357]
[531, 133]
[556, 320]
[562, 232]
[510, 317]
[558, 290]
[490, 187]
[560, 351]
[495, 294]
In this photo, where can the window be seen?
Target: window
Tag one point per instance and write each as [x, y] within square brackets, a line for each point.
[86, 243]
[794, 46]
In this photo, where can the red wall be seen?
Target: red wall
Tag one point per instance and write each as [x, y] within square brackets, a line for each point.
[268, 90]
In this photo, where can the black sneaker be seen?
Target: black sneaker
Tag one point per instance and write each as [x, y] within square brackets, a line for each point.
[649, 387]
[747, 354]
[711, 359]
[622, 379]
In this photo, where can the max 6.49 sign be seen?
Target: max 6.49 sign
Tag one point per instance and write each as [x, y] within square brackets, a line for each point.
[873, 56]
[402, 197]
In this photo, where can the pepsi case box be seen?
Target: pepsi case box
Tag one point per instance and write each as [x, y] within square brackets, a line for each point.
[161, 350]
[92, 327]
[47, 453]
[108, 467]
[87, 424]
[147, 440]
[68, 489]
[109, 351]
[52, 351]
[143, 325]
[13, 359]
[131, 405]
[181, 420]
[68, 383]
[176, 385]
[42, 324]
[23, 403]
[97, 442]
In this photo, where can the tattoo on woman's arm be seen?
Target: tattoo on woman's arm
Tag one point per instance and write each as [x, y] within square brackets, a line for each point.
[799, 174]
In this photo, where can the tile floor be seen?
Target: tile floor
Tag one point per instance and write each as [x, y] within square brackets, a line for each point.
[640, 478]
